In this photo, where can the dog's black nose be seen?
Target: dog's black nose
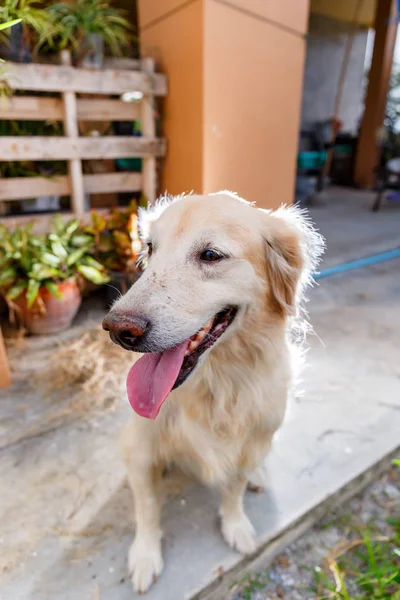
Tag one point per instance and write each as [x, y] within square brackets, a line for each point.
[125, 330]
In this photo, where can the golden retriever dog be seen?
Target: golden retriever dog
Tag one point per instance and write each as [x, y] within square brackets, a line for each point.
[213, 316]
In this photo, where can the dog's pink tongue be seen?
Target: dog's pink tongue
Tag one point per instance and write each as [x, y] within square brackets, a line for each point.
[151, 379]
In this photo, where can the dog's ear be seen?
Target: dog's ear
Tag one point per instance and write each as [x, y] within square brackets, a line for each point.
[293, 249]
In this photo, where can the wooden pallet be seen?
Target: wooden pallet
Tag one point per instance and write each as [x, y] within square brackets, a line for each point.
[69, 81]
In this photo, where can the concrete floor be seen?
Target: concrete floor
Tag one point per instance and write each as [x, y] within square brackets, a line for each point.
[65, 510]
[351, 229]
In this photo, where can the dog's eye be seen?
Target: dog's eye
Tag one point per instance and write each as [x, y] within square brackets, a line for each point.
[210, 255]
[149, 249]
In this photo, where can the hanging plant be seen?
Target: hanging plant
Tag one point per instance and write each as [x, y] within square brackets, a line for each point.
[5, 91]
[31, 22]
[76, 26]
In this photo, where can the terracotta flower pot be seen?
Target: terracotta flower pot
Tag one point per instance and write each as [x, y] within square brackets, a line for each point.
[59, 311]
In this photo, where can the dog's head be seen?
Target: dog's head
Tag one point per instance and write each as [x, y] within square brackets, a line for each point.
[210, 262]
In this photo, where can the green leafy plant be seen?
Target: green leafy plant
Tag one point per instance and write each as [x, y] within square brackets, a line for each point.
[4, 89]
[9, 24]
[116, 238]
[75, 22]
[30, 263]
[36, 22]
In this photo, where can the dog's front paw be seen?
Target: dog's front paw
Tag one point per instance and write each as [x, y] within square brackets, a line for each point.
[145, 564]
[239, 534]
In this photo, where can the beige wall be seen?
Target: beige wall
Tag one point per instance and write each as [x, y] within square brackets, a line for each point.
[289, 13]
[235, 71]
[253, 82]
[177, 44]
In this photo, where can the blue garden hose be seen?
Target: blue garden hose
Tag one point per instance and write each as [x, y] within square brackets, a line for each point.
[357, 264]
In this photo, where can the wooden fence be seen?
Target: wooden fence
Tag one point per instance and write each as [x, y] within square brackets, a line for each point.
[68, 82]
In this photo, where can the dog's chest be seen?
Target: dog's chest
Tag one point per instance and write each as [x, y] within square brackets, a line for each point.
[214, 451]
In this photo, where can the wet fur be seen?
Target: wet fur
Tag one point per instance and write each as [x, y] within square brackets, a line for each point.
[220, 424]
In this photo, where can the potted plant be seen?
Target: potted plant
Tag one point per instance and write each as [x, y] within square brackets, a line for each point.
[41, 276]
[32, 22]
[85, 27]
[117, 246]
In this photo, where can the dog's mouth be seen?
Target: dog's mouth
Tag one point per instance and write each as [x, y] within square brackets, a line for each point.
[155, 375]
[202, 341]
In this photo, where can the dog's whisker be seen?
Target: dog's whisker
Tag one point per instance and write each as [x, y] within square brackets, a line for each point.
[116, 289]
[314, 333]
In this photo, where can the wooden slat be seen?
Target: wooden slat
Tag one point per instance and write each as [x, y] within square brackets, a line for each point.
[71, 131]
[52, 78]
[104, 183]
[107, 110]
[23, 188]
[61, 148]
[149, 130]
[110, 62]
[36, 108]
[115, 62]
[31, 108]
[41, 223]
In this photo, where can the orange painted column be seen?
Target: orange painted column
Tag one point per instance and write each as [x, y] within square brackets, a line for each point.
[232, 114]
[374, 113]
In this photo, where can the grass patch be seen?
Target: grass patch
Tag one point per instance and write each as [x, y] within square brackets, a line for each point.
[356, 550]
[252, 582]
[362, 568]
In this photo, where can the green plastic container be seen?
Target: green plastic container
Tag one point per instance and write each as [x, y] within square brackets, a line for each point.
[342, 150]
[311, 160]
[129, 164]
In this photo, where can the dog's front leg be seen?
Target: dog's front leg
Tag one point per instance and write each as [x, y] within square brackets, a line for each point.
[145, 560]
[236, 526]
